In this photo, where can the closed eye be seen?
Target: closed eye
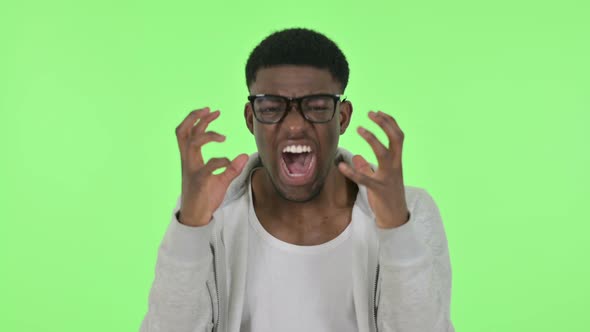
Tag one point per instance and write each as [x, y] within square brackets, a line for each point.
[270, 109]
[318, 108]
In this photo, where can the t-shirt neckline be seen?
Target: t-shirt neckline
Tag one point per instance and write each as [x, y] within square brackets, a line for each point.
[269, 239]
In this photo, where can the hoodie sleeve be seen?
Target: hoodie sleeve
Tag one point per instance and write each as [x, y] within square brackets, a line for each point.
[181, 297]
[414, 282]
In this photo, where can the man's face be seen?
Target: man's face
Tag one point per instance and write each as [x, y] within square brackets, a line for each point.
[297, 176]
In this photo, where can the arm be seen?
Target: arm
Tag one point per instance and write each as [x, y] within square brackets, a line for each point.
[183, 296]
[180, 298]
[414, 287]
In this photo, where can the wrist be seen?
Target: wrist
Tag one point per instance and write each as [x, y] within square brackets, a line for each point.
[394, 222]
[193, 222]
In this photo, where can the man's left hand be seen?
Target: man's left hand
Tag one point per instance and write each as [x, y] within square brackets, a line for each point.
[385, 187]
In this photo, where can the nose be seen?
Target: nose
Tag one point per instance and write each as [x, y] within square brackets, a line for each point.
[294, 119]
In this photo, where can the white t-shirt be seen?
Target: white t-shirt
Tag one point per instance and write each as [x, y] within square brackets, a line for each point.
[297, 288]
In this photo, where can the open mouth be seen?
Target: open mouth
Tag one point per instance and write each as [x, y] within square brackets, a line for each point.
[297, 164]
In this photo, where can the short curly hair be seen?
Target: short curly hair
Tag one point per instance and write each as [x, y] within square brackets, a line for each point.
[298, 46]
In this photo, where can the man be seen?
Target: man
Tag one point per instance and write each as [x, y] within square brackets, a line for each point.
[302, 235]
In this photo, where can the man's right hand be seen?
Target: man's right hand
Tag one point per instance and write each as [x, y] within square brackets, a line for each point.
[202, 191]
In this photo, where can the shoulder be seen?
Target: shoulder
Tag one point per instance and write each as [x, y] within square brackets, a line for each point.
[420, 199]
[427, 219]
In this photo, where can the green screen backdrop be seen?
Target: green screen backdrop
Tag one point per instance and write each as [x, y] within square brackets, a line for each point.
[493, 98]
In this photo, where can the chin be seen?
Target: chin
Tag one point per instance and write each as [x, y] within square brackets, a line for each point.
[299, 194]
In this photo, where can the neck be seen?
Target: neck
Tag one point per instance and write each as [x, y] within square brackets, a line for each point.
[337, 194]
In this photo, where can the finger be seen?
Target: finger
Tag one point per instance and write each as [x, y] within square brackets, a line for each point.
[195, 145]
[206, 137]
[362, 165]
[198, 129]
[234, 169]
[201, 126]
[383, 155]
[183, 129]
[357, 176]
[391, 128]
[390, 119]
[398, 143]
[215, 163]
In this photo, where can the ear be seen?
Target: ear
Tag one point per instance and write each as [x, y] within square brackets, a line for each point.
[344, 115]
[249, 117]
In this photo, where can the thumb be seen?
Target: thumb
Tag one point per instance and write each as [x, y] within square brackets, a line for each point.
[361, 165]
[234, 169]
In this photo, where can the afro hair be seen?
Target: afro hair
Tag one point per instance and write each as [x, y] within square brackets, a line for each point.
[298, 46]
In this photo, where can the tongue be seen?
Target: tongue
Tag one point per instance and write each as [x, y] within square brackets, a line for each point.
[296, 162]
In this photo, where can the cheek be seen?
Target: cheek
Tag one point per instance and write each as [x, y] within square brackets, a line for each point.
[332, 136]
[330, 139]
[260, 142]
[263, 143]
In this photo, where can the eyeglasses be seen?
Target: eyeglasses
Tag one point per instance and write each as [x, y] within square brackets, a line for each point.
[317, 108]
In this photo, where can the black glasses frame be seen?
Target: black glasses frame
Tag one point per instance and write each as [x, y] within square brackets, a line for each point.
[298, 100]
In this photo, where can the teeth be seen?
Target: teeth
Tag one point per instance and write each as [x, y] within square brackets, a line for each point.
[297, 148]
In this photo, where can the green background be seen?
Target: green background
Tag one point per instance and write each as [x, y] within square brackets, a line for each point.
[493, 97]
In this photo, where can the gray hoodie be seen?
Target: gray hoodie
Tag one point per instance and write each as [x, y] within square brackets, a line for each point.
[401, 276]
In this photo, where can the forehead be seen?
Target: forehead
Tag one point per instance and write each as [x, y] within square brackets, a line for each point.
[293, 81]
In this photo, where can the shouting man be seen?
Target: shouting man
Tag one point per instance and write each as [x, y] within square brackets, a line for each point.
[302, 235]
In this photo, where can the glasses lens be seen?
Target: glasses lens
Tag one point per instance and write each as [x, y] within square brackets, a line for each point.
[269, 109]
[318, 108]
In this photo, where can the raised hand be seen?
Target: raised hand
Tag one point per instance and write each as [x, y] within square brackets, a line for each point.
[385, 187]
[203, 191]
